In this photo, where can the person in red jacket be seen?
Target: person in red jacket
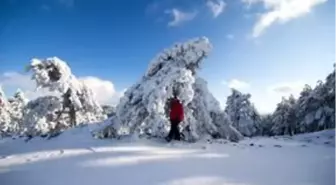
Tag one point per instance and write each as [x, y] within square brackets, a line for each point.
[176, 116]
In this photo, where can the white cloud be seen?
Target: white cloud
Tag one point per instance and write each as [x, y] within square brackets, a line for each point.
[179, 16]
[104, 90]
[11, 81]
[230, 36]
[237, 84]
[216, 7]
[287, 88]
[280, 11]
[16, 79]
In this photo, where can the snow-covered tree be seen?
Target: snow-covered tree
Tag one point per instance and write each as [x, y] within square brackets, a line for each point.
[265, 126]
[5, 118]
[208, 116]
[284, 118]
[42, 116]
[17, 105]
[142, 108]
[242, 113]
[316, 107]
[330, 100]
[302, 107]
[109, 110]
[75, 97]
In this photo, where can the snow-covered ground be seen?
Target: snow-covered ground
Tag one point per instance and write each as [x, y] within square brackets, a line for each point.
[76, 158]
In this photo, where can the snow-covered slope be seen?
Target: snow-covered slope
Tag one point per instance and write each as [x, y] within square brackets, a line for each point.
[76, 158]
[325, 137]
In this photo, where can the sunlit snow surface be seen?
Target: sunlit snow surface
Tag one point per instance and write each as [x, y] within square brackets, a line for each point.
[76, 158]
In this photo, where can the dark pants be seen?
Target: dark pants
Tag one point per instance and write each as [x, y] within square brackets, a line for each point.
[174, 132]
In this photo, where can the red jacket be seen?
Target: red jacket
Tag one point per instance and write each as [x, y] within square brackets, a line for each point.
[176, 110]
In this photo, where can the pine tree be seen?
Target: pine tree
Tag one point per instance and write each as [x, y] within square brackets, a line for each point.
[302, 107]
[75, 98]
[210, 119]
[17, 105]
[142, 110]
[322, 111]
[284, 117]
[242, 113]
[330, 99]
[5, 118]
[41, 116]
[265, 125]
[291, 116]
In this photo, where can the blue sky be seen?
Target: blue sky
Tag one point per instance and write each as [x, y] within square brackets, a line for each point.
[260, 46]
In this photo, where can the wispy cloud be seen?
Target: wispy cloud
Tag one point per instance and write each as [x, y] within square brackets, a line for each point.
[287, 88]
[236, 84]
[280, 11]
[216, 7]
[180, 16]
[11, 81]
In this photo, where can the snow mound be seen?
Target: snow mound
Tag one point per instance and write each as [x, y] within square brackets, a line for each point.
[325, 137]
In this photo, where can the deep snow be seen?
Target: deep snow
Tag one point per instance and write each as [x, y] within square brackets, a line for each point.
[76, 158]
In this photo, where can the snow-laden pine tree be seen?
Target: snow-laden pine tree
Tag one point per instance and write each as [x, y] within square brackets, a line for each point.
[302, 106]
[5, 118]
[76, 104]
[210, 119]
[316, 107]
[17, 106]
[242, 113]
[284, 118]
[329, 100]
[265, 125]
[41, 116]
[325, 96]
[109, 110]
[142, 109]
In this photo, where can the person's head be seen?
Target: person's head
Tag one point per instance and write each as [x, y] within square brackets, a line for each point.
[175, 93]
